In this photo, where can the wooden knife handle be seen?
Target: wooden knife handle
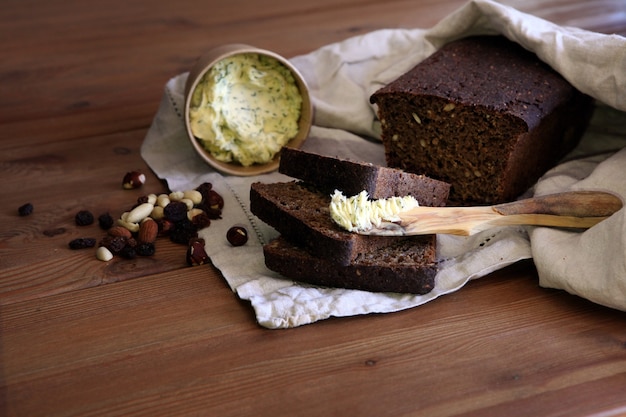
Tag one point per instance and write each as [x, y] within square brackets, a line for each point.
[572, 203]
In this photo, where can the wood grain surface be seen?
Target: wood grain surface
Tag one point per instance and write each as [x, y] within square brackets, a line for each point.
[80, 81]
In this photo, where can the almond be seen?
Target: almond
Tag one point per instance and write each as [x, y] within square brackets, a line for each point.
[148, 231]
[119, 231]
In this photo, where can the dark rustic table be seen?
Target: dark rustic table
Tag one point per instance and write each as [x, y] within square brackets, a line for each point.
[80, 81]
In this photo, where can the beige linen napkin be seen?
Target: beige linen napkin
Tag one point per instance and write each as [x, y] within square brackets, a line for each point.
[342, 76]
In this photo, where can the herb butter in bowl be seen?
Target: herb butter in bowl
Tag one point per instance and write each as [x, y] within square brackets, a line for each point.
[242, 105]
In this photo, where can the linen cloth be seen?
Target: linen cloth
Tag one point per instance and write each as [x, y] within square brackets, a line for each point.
[341, 78]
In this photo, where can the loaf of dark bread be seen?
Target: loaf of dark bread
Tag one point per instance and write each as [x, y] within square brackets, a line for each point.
[483, 114]
[301, 214]
[406, 267]
[351, 177]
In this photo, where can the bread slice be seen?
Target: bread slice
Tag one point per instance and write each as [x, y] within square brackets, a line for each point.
[407, 266]
[302, 215]
[351, 177]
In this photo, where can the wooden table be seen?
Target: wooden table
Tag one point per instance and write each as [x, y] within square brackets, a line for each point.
[79, 84]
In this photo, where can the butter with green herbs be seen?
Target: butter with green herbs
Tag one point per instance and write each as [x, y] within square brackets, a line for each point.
[245, 109]
[360, 214]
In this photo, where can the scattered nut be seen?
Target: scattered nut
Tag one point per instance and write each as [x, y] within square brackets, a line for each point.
[157, 213]
[176, 195]
[132, 227]
[201, 220]
[151, 198]
[194, 212]
[148, 231]
[104, 254]
[25, 210]
[163, 200]
[133, 179]
[119, 231]
[139, 213]
[194, 195]
[237, 236]
[196, 254]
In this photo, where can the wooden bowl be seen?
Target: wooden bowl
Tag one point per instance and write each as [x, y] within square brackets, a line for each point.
[204, 64]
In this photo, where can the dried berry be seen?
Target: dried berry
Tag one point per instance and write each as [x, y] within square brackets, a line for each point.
[201, 220]
[82, 243]
[25, 210]
[204, 189]
[148, 231]
[128, 252]
[114, 243]
[145, 249]
[165, 226]
[84, 218]
[105, 221]
[182, 236]
[237, 236]
[143, 199]
[175, 211]
[215, 201]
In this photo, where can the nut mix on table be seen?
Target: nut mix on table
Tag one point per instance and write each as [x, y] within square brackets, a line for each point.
[176, 215]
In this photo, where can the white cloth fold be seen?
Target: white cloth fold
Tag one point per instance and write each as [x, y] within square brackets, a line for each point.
[341, 77]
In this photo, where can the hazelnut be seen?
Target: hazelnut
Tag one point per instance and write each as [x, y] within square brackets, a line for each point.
[133, 179]
[196, 254]
[237, 236]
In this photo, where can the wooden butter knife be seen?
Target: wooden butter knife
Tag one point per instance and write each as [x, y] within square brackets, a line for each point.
[576, 209]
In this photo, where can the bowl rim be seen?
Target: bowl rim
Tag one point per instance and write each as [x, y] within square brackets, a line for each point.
[203, 65]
